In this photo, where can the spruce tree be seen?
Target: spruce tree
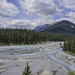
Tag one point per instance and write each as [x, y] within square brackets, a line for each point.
[27, 70]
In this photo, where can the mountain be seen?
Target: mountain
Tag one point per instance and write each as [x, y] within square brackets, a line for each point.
[40, 28]
[61, 27]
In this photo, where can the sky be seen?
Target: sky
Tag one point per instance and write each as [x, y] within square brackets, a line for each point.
[31, 13]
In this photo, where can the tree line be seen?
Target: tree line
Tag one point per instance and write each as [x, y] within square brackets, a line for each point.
[69, 45]
[24, 36]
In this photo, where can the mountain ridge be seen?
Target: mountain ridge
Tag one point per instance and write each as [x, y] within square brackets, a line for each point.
[40, 28]
[61, 27]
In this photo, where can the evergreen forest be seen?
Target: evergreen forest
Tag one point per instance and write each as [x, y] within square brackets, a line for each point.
[24, 36]
[69, 45]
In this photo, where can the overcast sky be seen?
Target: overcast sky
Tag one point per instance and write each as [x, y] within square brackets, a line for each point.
[31, 13]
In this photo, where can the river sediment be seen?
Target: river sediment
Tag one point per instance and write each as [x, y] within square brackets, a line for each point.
[38, 61]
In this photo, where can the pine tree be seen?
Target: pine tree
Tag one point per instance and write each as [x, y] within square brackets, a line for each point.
[27, 70]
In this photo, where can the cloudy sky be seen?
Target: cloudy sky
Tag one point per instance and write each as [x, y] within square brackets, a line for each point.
[31, 13]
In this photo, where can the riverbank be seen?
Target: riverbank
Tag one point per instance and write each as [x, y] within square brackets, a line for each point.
[69, 52]
[39, 63]
[66, 57]
[38, 43]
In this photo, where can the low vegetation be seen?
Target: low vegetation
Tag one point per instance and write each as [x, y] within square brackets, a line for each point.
[71, 73]
[68, 52]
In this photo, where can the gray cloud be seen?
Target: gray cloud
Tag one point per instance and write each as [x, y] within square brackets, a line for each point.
[40, 7]
[7, 9]
[45, 9]
[12, 23]
[69, 4]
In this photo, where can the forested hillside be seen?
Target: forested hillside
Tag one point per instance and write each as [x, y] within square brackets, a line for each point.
[63, 27]
[69, 45]
[23, 36]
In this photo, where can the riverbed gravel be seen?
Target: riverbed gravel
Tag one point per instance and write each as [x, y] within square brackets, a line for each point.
[39, 63]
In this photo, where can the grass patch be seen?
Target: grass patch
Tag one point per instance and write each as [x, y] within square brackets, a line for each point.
[68, 52]
[71, 73]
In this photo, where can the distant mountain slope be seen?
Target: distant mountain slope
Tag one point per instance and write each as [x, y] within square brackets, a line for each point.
[40, 28]
[62, 27]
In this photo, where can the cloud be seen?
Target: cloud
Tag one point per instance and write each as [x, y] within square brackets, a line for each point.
[43, 8]
[67, 10]
[22, 23]
[43, 20]
[40, 7]
[71, 15]
[7, 9]
[48, 11]
[12, 23]
[69, 4]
